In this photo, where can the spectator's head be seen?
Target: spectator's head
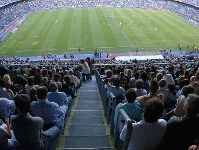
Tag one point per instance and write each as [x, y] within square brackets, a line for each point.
[45, 72]
[67, 79]
[186, 90]
[139, 83]
[53, 86]
[191, 106]
[44, 81]
[109, 73]
[171, 88]
[153, 86]
[6, 78]
[162, 83]
[137, 75]
[22, 103]
[152, 75]
[144, 76]
[121, 75]
[129, 73]
[163, 72]
[42, 92]
[71, 72]
[33, 94]
[159, 76]
[57, 77]
[153, 110]
[31, 80]
[131, 95]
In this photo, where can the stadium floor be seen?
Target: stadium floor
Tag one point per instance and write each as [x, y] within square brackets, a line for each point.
[118, 56]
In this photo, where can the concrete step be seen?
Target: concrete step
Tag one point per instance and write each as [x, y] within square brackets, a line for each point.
[86, 142]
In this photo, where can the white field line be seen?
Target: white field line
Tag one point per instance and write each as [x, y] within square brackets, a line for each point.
[122, 30]
[48, 24]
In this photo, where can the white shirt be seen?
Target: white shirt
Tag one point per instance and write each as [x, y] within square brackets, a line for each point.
[169, 79]
[145, 136]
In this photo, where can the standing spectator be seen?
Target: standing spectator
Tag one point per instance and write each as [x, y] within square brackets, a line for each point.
[85, 70]
[88, 60]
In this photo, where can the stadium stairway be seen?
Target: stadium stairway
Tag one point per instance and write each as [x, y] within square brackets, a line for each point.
[86, 126]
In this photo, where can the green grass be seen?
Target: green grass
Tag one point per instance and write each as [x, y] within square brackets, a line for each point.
[57, 31]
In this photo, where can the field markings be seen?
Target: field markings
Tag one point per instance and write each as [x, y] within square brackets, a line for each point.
[122, 30]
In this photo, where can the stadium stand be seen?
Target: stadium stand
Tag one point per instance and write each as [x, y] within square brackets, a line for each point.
[90, 117]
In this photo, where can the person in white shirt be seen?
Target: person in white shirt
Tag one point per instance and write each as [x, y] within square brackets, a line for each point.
[149, 132]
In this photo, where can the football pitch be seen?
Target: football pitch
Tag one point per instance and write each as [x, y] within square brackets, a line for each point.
[113, 30]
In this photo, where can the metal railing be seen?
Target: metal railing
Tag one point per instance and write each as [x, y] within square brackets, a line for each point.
[109, 103]
[122, 114]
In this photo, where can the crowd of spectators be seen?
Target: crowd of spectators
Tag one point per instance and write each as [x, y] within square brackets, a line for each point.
[174, 88]
[21, 8]
[39, 93]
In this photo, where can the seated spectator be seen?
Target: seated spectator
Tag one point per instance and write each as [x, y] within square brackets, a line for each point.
[131, 107]
[7, 138]
[74, 79]
[181, 132]
[18, 79]
[58, 97]
[149, 132]
[153, 87]
[168, 77]
[36, 75]
[195, 83]
[57, 78]
[162, 89]
[68, 87]
[178, 110]
[159, 76]
[50, 112]
[45, 82]
[145, 77]
[7, 108]
[118, 92]
[131, 83]
[5, 93]
[31, 83]
[108, 74]
[7, 81]
[172, 97]
[33, 94]
[138, 88]
[27, 129]
[123, 80]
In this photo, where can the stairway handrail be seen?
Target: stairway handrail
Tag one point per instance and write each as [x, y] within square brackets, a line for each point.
[122, 114]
